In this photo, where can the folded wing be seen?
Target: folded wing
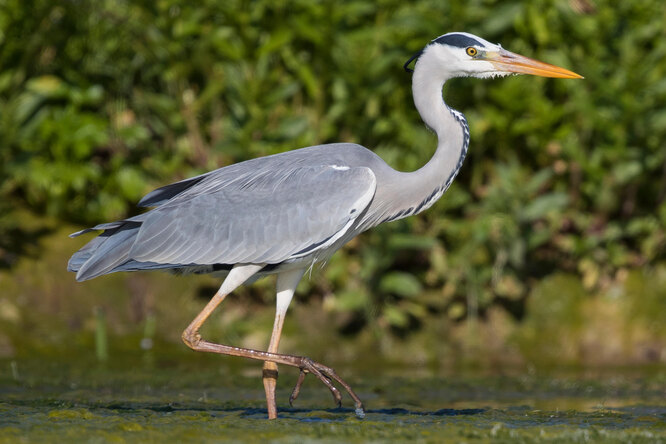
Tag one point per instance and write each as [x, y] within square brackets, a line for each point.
[263, 216]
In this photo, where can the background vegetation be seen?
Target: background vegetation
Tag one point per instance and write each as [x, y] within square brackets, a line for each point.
[557, 217]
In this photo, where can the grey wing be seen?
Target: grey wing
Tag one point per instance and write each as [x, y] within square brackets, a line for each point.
[267, 217]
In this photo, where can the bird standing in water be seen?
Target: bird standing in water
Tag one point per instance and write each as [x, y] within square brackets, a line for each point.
[281, 214]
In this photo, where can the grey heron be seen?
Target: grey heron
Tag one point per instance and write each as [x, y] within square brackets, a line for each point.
[283, 213]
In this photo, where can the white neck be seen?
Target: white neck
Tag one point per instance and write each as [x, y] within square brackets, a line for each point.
[405, 194]
[449, 125]
[427, 83]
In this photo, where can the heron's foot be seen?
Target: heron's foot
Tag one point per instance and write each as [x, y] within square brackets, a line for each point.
[325, 375]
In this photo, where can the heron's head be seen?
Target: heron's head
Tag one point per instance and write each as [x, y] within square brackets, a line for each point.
[460, 54]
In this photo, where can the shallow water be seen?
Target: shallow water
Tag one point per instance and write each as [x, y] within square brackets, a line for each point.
[204, 401]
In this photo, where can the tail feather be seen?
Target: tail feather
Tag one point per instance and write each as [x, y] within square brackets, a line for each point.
[80, 257]
[104, 253]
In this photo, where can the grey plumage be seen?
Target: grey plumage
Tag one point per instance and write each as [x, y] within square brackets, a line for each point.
[267, 210]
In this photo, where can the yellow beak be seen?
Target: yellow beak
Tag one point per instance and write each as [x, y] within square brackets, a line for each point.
[508, 61]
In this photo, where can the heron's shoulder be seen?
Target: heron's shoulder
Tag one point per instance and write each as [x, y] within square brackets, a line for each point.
[349, 151]
[340, 154]
[348, 154]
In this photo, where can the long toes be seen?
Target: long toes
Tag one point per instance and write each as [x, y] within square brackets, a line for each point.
[337, 397]
[314, 368]
[326, 375]
[297, 387]
[331, 375]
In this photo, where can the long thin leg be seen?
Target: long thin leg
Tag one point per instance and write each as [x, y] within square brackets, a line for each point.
[235, 278]
[287, 282]
[192, 338]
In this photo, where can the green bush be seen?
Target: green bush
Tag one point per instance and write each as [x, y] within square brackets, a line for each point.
[101, 101]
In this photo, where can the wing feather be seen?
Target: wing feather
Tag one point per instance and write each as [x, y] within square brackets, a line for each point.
[266, 217]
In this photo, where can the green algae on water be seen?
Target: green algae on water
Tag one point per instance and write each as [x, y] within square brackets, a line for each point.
[211, 403]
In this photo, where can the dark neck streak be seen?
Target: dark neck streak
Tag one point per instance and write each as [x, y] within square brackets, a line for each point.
[440, 189]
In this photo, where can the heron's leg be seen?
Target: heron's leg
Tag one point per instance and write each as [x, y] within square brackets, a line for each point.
[287, 282]
[236, 277]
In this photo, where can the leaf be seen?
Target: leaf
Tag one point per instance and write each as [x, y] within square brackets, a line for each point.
[401, 284]
[627, 171]
[47, 86]
[351, 300]
[395, 316]
[542, 205]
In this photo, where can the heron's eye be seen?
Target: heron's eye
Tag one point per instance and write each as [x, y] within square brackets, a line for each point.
[471, 51]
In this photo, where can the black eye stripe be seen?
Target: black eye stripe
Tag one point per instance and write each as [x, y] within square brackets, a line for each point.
[459, 40]
[452, 39]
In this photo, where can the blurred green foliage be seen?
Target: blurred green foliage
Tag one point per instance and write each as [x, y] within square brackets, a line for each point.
[101, 101]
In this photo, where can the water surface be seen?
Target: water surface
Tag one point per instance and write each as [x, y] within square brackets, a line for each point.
[207, 401]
